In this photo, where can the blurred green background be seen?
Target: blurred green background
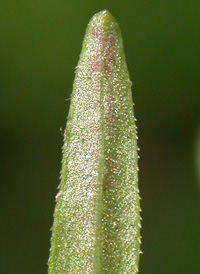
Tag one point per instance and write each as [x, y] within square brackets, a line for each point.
[40, 42]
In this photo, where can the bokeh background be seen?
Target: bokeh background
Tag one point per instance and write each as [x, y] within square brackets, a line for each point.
[40, 42]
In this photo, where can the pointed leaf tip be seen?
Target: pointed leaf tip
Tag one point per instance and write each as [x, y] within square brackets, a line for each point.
[104, 16]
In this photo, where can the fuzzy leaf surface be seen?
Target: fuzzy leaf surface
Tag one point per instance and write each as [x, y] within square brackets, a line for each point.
[97, 215]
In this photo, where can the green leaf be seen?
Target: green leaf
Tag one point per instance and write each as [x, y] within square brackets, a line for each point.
[97, 216]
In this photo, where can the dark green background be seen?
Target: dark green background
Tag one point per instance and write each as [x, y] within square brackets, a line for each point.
[40, 42]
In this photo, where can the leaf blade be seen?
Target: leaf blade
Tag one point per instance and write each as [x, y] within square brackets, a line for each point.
[97, 222]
